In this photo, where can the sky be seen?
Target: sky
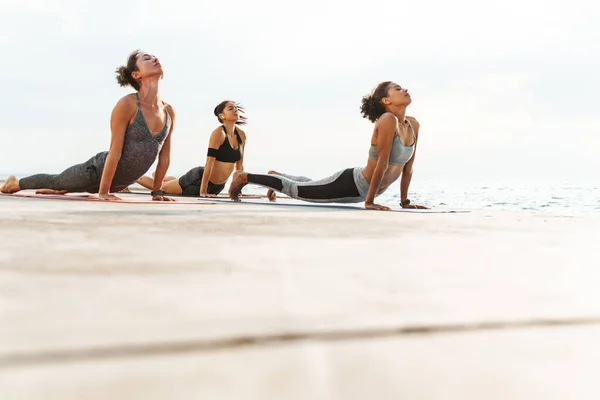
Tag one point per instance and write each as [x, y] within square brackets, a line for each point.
[504, 91]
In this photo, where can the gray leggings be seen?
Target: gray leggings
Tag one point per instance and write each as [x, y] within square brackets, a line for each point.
[84, 177]
[296, 178]
[346, 186]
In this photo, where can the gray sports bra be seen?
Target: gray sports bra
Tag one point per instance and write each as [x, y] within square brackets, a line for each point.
[399, 153]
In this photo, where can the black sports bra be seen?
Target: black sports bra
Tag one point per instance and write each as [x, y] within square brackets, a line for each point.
[226, 153]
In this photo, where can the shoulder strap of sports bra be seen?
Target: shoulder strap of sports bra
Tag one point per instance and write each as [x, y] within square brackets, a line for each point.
[411, 129]
[225, 141]
[239, 138]
[166, 111]
[235, 131]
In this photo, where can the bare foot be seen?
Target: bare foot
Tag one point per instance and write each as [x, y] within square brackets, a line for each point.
[239, 180]
[50, 191]
[126, 190]
[11, 185]
[271, 195]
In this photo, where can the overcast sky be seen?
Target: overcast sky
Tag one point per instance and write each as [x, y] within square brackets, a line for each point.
[503, 90]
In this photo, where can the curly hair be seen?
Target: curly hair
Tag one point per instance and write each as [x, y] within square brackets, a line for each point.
[221, 106]
[124, 72]
[371, 106]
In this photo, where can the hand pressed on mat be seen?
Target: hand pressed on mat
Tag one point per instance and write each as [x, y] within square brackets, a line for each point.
[373, 206]
[414, 206]
[104, 197]
[162, 198]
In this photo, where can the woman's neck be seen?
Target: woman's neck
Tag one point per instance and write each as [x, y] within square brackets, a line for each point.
[399, 112]
[148, 93]
[229, 127]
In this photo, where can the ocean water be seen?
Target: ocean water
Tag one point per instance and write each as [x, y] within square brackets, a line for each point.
[536, 197]
[539, 198]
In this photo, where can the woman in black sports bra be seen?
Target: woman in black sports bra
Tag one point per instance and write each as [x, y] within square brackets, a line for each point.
[225, 154]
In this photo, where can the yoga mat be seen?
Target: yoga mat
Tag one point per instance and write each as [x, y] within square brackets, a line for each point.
[219, 196]
[249, 199]
[85, 197]
[357, 206]
[214, 200]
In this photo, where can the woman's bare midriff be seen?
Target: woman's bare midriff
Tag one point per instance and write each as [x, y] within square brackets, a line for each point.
[221, 172]
[390, 176]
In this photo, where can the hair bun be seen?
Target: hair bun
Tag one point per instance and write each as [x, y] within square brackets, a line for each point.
[368, 107]
[371, 106]
[122, 76]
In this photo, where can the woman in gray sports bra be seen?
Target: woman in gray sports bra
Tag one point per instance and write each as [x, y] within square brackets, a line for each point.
[391, 155]
[141, 126]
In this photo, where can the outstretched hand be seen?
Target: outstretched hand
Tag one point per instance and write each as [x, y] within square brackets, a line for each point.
[162, 198]
[414, 206]
[373, 206]
[207, 195]
[105, 197]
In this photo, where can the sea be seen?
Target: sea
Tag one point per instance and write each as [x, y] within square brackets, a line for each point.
[530, 197]
[550, 198]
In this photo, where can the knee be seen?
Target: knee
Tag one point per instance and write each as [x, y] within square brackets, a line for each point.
[271, 172]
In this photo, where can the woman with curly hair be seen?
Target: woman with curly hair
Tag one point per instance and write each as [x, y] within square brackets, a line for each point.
[391, 155]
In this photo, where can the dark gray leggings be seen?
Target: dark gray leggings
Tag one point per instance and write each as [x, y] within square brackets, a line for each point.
[341, 187]
[84, 177]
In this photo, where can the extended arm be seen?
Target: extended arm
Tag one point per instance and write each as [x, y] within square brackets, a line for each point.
[119, 120]
[239, 166]
[407, 171]
[164, 159]
[385, 136]
[215, 141]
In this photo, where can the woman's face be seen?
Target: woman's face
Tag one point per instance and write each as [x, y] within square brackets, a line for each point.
[397, 95]
[229, 113]
[147, 66]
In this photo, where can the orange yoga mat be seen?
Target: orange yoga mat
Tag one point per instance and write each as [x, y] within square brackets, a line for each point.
[86, 197]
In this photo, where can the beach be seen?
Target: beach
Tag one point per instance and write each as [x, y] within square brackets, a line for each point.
[256, 301]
